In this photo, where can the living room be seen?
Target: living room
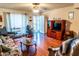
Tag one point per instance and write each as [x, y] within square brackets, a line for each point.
[39, 29]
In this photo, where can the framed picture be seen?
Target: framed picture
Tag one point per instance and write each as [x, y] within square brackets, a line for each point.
[71, 15]
[0, 18]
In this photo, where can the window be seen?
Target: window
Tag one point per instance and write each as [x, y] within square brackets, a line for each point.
[16, 23]
[38, 23]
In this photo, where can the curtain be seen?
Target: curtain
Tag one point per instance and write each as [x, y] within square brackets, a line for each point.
[16, 22]
[38, 23]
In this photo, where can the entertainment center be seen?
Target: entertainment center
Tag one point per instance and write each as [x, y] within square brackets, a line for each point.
[56, 29]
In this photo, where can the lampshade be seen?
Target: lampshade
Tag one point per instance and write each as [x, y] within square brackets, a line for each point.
[35, 11]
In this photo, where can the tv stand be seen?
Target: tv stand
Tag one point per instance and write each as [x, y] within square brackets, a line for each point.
[57, 34]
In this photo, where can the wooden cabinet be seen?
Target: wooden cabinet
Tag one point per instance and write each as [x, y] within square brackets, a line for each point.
[49, 32]
[56, 33]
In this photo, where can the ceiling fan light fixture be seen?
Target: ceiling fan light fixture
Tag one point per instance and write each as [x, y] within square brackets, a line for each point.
[36, 7]
[35, 11]
[35, 3]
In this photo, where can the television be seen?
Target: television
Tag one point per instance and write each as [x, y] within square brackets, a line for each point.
[57, 26]
[48, 24]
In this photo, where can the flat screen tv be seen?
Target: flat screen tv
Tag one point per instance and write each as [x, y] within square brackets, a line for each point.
[57, 26]
[48, 24]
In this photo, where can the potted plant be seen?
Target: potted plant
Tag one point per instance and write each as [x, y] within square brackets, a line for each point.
[29, 31]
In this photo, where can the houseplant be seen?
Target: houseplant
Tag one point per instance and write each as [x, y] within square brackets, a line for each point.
[29, 31]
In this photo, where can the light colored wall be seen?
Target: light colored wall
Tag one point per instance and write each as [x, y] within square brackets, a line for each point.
[45, 23]
[63, 14]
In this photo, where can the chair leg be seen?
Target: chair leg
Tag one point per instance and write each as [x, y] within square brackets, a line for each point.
[21, 45]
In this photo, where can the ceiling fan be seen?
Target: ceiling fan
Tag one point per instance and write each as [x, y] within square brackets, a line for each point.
[37, 8]
[36, 5]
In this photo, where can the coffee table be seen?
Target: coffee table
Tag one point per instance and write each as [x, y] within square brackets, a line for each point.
[55, 49]
[28, 45]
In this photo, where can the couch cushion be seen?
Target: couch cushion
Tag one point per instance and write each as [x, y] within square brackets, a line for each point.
[76, 50]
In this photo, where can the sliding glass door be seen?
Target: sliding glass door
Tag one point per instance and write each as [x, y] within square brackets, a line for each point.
[38, 24]
[16, 23]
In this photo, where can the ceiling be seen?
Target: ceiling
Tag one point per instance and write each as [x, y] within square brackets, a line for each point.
[29, 6]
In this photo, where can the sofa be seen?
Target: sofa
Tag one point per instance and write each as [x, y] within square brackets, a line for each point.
[9, 47]
[69, 47]
[3, 31]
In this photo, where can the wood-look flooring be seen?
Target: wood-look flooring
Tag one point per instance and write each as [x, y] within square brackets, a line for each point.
[43, 42]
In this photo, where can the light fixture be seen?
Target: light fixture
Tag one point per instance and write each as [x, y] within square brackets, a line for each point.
[35, 7]
[35, 11]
